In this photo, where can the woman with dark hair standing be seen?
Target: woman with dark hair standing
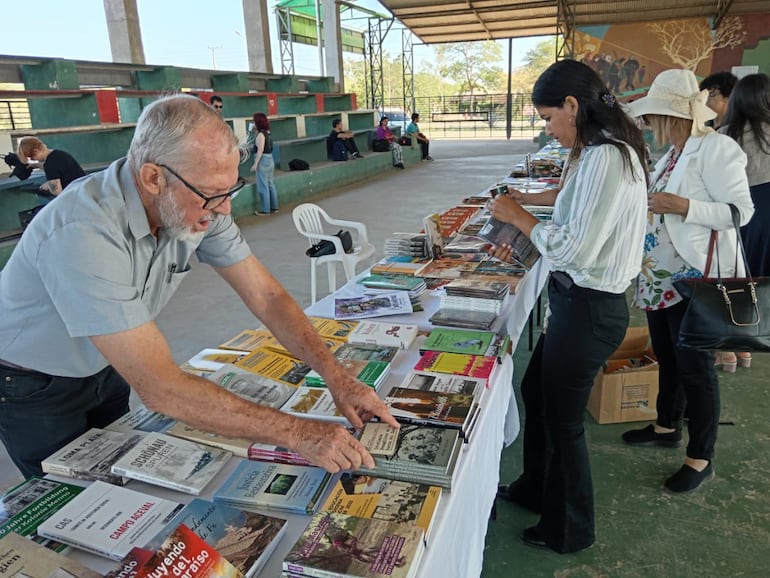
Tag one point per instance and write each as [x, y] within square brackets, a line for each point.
[264, 165]
[748, 122]
[594, 244]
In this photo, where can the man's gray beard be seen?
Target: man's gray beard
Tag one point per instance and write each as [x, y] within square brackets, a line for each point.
[172, 219]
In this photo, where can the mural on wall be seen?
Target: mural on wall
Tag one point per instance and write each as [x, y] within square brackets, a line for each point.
[629, 56]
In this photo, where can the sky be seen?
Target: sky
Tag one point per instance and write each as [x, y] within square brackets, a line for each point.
[187, 33]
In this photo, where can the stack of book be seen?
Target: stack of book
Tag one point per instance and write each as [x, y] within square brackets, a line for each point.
[437, 408]
[393, 282]
[438, 362]
[407, 244]
[425, 455]
[399, 264]
[467, 243]
[395, 303]
[23, 558]
[474, 295]
[280, 367]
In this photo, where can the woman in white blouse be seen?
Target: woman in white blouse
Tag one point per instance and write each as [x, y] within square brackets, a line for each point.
[691, 189]
[594, 243]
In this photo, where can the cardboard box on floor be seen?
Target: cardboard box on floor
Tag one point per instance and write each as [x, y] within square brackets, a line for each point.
[628, 388]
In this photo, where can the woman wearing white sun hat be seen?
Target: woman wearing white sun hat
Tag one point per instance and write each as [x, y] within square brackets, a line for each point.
[690, 191]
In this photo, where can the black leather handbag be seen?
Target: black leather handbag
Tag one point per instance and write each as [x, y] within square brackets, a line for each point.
[326, 247]
[731, 314]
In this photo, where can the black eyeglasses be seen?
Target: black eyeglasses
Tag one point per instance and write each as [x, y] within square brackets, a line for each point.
[209, 203]
[217, 106]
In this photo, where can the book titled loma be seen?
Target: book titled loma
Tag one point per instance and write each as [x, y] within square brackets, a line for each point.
[109, 520]
[170, 462]
[336, 544]
[274, 486]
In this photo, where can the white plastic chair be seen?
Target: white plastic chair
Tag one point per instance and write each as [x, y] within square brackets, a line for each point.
[310, 220]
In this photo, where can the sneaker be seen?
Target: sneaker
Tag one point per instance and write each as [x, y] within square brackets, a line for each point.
[647, 437]
[399, 165]
[689, 479]
[273, 210]
[357, 156]
[428, 158]
[261, 213]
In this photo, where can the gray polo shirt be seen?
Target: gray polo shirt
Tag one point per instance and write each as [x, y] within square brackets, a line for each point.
[88, 265]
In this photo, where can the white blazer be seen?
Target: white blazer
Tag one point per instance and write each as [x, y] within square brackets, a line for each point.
[711, 172]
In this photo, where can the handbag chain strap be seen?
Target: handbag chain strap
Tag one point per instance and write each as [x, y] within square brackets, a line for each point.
[722, 288]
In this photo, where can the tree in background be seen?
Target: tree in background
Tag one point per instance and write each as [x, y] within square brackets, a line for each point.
[470, 65]
[536, 61]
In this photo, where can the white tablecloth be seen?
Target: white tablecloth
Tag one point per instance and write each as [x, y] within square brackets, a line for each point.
[456, 547]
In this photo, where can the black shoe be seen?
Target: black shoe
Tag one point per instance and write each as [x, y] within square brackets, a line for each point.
[647, 437]
[428, 158]
[531, 537]
[358, 156]
[399, 165]
[273, 210]
[688, 479]
[517, 493]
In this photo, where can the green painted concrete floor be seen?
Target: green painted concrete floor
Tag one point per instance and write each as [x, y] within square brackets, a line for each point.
[721, 530]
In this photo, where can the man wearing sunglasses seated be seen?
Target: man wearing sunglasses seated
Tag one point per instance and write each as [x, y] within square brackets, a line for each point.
[79, 296]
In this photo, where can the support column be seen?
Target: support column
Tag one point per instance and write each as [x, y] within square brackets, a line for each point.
[332, 39]
[124, 30]
[257, 26]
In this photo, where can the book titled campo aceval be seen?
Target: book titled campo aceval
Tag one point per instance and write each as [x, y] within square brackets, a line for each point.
[109, 520]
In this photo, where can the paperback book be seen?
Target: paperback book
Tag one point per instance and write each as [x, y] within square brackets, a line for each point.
[273, 486]
[245, 539]
[370, 364]
[379, 438]
[237, 446]
[472, 386]
[185, 554]
[313, 402]
[285, 369]
[395, 303]
[276, 454]
[482, 320]
[458, 341]
[340, 545]
[500, 233]
[90, 456]
[333, 328]
[480, 366]
[170, 462]
[383, 499]
[252, 386]
[399, 264]
[109, 520]
[142, 419]
[414, 285]
[211, 359]
[428, 407]
[25, 506]
[425, 455]
[400, 335]
[24, 558]
[494, 290]
[249, 340]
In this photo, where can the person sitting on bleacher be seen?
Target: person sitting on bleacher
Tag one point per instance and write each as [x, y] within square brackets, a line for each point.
[413, 131]
[60, 167]
[385, 140]
[341, 142]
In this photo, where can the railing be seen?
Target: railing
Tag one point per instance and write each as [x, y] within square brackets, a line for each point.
[477, 116]
[14, 114]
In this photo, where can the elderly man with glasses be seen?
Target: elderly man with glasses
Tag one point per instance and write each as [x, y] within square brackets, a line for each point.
[81, 291]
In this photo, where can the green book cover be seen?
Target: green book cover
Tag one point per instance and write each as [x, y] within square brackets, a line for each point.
[458, 341]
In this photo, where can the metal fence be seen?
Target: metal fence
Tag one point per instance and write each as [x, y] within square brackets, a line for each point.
[14, 114]
[476, 116]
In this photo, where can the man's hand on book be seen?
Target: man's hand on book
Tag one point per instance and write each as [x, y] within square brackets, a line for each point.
[358, 402]
[503, 252]
[330, 446]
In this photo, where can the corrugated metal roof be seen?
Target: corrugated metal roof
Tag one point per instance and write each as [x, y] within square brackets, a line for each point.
[437, 21]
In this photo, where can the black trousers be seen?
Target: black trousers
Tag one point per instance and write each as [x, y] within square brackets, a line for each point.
[424, 146]
[687, 379]
[584, 329]
[351, 145]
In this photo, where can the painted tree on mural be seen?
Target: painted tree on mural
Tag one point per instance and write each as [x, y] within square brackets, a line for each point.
[689, 42]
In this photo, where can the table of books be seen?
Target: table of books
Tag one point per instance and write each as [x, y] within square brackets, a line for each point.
[455, 544]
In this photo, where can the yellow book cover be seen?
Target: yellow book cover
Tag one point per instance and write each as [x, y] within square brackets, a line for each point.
[331, 328]
[275, 365]
[392, 500]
